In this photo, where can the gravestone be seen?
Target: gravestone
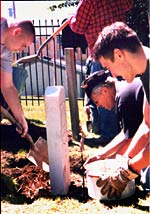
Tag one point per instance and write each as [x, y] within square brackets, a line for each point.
[56, 127]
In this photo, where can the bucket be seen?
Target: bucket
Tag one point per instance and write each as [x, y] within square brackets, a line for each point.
[106, 167]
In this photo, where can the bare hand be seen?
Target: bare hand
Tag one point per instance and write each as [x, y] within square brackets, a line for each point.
[91, 159]
[23, 128]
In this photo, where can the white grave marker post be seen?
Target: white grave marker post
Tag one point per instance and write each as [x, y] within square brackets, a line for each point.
[56, 128]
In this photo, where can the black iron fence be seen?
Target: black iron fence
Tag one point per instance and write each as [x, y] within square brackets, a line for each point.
[50, 69]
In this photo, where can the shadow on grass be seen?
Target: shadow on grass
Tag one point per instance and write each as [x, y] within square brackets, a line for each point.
[38, 122]
[79, 193]
[95, 142]
[9, 192]
[11, 141]
[130, 201]
[90, 142]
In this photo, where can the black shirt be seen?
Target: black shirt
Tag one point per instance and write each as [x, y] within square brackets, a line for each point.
[130, 106]
[145, 80]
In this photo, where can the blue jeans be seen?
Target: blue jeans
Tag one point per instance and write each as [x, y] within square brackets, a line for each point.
[109, 126]
[19, 76]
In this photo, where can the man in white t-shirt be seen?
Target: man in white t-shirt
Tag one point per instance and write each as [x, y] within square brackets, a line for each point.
[14, 37]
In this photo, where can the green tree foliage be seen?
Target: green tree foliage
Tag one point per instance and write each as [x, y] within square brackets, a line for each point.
[137, 19]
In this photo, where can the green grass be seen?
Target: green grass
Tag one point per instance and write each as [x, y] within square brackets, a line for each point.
[67, 206]
[36, 113]
[21, 154]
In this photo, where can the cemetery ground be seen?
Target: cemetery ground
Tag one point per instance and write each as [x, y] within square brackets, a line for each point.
[26, 189]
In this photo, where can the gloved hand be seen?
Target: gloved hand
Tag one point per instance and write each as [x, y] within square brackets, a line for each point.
[115, 184]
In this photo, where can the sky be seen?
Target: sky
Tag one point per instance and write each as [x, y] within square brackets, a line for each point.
[36, 10]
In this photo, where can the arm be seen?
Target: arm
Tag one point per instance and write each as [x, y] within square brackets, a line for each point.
[139, 149]
[11, 96]
[139, 152]
[79, 22]
[139, 141]
[141, 160]
[117, 146]
[142, 136]
[146, 112]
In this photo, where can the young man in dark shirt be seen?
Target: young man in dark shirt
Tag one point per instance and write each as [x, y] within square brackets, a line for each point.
[119, 49]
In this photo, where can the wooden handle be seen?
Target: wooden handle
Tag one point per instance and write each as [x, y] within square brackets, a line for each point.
[8, 115]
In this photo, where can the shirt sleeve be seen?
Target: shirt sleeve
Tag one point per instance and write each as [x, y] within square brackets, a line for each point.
[80, 21]
[6, 59]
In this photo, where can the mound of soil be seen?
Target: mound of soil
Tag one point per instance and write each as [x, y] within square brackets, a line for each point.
[19, 176]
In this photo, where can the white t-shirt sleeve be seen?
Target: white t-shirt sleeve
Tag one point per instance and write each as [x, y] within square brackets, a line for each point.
[6, 59]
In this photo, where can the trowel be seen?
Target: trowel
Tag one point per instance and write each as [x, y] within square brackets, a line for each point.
[38, 153]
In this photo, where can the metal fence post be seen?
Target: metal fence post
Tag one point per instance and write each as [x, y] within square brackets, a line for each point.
[72, 91]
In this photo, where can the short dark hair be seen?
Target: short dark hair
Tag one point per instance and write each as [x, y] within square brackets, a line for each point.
[117, 35]
[27, 27]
